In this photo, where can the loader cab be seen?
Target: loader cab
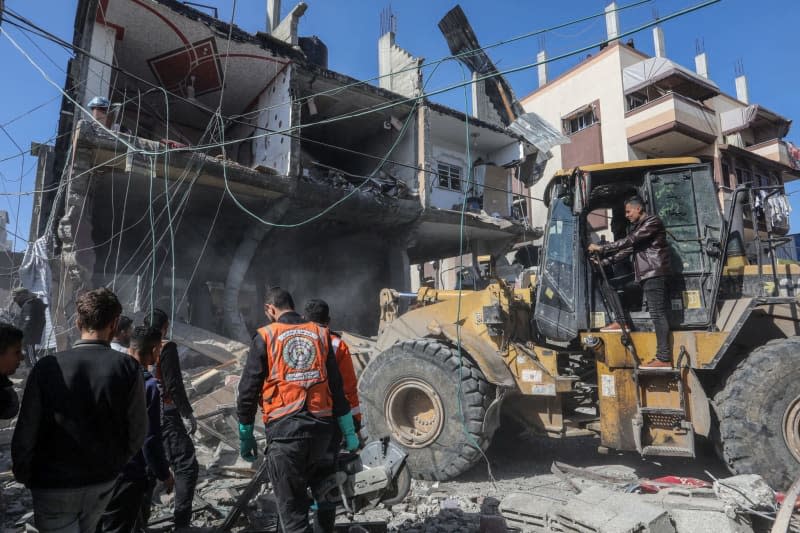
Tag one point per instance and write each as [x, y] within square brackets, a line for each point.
[573, 296]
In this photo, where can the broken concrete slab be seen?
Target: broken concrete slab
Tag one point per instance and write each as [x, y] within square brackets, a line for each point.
[207, 381]
[687, 521]
[215, 346]
[748, 491]
[608, 511]
[602, 508]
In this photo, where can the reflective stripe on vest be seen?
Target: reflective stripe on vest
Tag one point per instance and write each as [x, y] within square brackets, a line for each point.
[296, 357]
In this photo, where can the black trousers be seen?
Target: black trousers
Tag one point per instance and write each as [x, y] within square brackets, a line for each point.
[124, 510]
[655, 292]
[294, 466]
[180, 452]
[30, 355]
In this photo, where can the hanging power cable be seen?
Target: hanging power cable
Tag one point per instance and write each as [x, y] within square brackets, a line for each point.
[390, 105]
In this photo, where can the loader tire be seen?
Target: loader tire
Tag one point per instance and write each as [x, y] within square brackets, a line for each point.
[759, 414]
[410, 393]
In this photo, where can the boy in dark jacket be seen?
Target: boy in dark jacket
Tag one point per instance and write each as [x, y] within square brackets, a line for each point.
[128, 505]
[177, 409]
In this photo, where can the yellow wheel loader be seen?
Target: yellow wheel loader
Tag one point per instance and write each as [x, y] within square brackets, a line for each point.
[449, 366]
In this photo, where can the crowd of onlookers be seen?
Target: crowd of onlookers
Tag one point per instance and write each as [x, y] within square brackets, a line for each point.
[100, 424]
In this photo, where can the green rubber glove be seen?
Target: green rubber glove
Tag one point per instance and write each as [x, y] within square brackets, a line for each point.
[348, 428]
[248, 449]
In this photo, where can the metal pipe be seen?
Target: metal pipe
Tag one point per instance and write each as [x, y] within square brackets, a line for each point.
[735, 241]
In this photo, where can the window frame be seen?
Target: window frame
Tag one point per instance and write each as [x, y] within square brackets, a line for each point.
[638, 98]
[449, 176]
[580, 120]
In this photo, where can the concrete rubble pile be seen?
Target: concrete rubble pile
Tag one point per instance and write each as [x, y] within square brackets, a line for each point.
[382, 184]
[608, 498]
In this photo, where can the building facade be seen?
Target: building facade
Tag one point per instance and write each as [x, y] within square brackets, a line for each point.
[233, 161]
[620, 104]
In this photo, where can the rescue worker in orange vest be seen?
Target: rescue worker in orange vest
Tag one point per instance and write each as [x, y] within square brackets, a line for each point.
[318, 311]
[291, 372]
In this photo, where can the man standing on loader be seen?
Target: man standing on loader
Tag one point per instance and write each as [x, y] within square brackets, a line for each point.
[647, 242]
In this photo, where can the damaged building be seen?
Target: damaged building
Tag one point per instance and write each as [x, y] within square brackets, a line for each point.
[233, 161]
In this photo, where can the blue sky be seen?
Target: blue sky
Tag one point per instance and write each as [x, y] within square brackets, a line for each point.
[763, 35]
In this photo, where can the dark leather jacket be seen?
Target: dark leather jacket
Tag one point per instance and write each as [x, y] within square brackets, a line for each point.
[647, 241]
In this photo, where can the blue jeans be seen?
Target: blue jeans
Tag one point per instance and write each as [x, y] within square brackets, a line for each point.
[75, 510]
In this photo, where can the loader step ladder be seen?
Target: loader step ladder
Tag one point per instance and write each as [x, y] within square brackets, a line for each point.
[661, 426]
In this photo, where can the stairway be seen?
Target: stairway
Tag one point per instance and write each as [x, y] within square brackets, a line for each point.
[661, 426]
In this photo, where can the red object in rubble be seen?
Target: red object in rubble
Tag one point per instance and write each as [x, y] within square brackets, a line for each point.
[780, 497]
[653, 486]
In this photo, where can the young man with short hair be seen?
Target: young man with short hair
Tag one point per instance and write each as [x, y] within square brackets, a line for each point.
[291, 373]
[128, 505]
[317, 310]
[82, 419]
[177, 440]
[122, 336]
[647, 242]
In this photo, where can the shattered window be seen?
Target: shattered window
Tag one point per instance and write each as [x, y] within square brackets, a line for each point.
[576, 123]
[449, 176]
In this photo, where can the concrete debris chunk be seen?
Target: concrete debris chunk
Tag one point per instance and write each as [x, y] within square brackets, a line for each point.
[597, 509]
[693, 521]
[747, 491]
[207, 381]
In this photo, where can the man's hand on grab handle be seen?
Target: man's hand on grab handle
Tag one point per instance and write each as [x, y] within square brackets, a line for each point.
[595, 248]
[248, 449]
[594, 253]
[348, 427]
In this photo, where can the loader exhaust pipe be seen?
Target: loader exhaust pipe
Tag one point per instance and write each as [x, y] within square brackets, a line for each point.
[736, 256]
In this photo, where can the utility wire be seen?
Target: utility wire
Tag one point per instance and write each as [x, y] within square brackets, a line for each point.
[461, 227]
[62, 42]
[366, 110]
[392, 104]
[424, 95]
[360, 113]
[466, 53]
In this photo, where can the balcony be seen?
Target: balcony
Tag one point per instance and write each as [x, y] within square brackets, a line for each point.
[670, 125]
[776, 150]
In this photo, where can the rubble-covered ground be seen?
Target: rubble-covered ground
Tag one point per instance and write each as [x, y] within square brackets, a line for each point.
[515, 489]
[521, 468]
[521, 464]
